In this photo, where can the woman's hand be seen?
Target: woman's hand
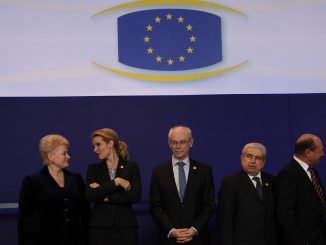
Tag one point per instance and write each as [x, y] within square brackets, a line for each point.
[125, 184]
[94, 185]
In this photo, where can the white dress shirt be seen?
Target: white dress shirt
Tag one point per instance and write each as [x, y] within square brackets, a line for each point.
[304, 165]
[175, 168]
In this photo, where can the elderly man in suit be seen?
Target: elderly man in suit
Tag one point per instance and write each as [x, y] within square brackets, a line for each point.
[245, 214]
[300, 196]
[182, 194]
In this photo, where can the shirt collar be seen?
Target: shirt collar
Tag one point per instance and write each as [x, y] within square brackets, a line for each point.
[304, 165]
[175, 161]
[258, 175]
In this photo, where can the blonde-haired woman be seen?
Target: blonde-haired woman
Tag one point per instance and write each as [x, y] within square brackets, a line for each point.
[52, 205]
[113, 184]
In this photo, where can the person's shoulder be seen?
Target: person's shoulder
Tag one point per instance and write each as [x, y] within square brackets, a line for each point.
[162, 166]
[200, 164]
[232, 180]
[95, 165]
[290, 168]
[71, 173]
[233, 176]
[129, 163]
[35, 176]
[267, 175]
[43, 172]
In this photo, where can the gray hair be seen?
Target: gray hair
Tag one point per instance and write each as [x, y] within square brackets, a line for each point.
[188, 130]
[255, 145]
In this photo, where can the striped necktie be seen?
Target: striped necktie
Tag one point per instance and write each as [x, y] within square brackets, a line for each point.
[317, 186]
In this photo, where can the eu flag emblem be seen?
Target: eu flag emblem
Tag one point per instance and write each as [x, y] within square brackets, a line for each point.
[169, 39]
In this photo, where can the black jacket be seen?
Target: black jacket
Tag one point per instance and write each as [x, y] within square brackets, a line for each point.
[49, 214]
[113, 205]
[242, 216]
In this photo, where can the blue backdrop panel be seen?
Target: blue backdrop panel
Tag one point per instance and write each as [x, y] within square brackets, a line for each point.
[221, 125]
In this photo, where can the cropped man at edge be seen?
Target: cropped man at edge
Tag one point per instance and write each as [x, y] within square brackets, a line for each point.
[301, 209]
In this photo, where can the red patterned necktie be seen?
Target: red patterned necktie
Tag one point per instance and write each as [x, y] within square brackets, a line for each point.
[317, 186]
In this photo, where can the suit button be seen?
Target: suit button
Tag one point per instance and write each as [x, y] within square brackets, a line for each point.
[67, 220]
[66, 210]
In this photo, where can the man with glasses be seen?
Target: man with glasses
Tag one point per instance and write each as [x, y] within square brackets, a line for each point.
[300, 208]
[245, 212]
[182, 193]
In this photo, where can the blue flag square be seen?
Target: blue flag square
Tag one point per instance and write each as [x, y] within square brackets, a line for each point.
[169, 39]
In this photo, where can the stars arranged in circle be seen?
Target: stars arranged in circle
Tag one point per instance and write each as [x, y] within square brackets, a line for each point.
[159, 57]
[147, 39]
[150, 50]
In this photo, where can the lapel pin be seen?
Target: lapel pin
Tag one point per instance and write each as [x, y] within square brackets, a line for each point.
[266, 184]
[194, 167]
[121, 166]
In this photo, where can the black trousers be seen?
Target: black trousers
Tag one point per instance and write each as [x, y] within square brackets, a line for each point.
[113, 236]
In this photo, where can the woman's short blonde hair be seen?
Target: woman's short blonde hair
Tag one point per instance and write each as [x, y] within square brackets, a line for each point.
[49, 143]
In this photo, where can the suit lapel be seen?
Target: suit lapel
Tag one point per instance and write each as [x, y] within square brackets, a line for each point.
[103, 173]
[304, 176]
[120, 168]
[46, 174]
[191, 181]
[68, 180]
[266, 188]
[247, 183]
[171, 180]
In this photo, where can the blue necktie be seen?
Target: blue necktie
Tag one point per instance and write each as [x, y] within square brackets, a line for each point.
[182, 180]
[259, 186]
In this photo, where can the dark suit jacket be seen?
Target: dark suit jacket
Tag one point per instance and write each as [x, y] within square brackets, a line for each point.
[197, 207]
[49, 214]
[300, 213]
[117, 211]
[242, 216]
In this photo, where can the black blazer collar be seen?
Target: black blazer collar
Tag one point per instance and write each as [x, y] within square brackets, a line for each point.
[46, 174]
[247, 182]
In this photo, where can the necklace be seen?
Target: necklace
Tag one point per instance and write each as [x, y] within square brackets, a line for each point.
[112, 166]
[112, 173]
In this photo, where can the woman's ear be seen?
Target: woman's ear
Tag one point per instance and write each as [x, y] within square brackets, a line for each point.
[111, 144]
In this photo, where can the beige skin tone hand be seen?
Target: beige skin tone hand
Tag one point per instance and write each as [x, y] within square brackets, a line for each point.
[183, 235]
[94, 185]
[125, 184]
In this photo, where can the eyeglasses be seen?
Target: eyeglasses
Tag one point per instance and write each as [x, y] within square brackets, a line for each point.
[252, 157]
[175, 143]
